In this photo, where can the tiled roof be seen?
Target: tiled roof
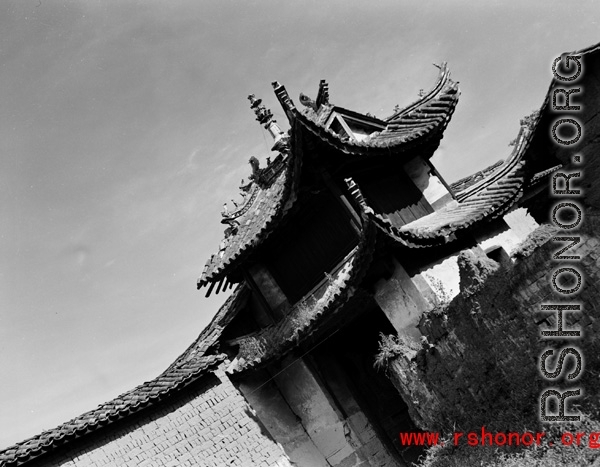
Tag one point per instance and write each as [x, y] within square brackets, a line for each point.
[420, 123]
[209, 336]
[465, 188]
[303, 320]
[192, 364]
[466, 182]
[543, 175]
[543, 147]
[483, 200]
[485, 194]
[132, 401]
[253, 223]
[423, 121]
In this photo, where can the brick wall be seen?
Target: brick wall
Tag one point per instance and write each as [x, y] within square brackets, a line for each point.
[210, 424]
[479, 361]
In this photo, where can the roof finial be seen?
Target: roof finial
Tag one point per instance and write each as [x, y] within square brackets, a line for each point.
[323, 95]
[308, 102]
[265, 117]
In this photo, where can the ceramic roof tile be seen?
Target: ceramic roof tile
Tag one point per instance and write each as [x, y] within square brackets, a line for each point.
[275, 340]
[251, 224]
[543, 175]
[190, 365]
[484, 199]
[121, 406]
[425, 120]
[466, 182]
[266, 205]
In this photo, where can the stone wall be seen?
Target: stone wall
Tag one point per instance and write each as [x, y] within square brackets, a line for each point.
[479, 360]
[400, 292]
[208, 425]
[299, 411]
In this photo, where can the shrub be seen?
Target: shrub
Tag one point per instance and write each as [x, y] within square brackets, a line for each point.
[391, 347]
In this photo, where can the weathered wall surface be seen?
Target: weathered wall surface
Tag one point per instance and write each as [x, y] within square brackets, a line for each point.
[215, 427]
[479, 363]
[399, 292]
[506, 233]
[301, 414]
[588, 146]
[281, 422]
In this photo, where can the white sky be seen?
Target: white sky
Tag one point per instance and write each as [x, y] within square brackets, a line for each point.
[124, 127]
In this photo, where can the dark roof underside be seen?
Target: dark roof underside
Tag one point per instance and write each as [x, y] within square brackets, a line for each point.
[414, 126]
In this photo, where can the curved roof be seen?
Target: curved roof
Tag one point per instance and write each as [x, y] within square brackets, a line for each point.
[500, 188]
[461, 185]
[421, 123]
[486, 199]
[489, 197]
[253, 222]
[191, 365]
[128, 403]
[305, 318]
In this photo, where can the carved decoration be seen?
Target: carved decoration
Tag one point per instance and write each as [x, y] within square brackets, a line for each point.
[282, 145]
[322, 97]
[308, 102]
[323, 94]
[245, 188]
[232, 229]
[263, 115]
[225, 210]
[283, 97]
[249, 195]
[256, 170]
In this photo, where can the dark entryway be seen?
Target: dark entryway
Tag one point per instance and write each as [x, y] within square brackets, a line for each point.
[345, 362]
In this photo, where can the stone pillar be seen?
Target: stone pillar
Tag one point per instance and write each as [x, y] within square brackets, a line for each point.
[270, 290]
[401, 301]
[283, 424]
[323, 423]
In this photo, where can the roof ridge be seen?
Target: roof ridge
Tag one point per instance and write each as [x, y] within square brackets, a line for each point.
[121, 406]
[184, 370]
